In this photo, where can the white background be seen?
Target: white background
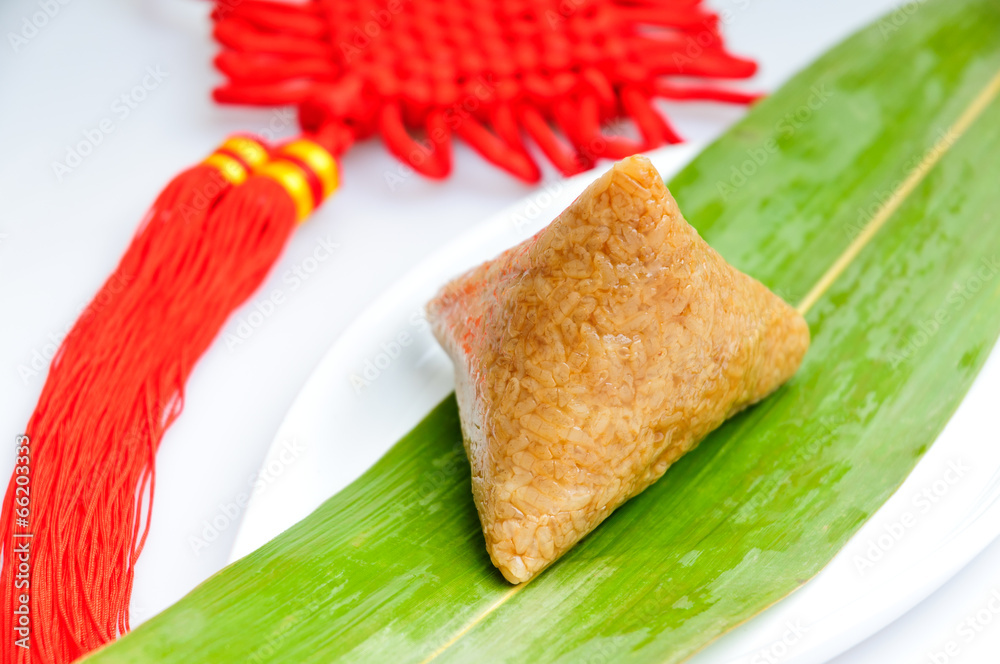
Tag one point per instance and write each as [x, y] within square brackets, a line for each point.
[59, 238]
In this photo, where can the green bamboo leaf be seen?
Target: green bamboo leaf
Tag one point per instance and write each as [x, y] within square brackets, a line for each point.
[864, 189]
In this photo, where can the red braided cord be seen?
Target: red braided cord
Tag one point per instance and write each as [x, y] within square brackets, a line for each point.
[489, 71]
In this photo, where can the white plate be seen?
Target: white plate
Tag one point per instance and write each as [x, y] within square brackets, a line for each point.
[386, 372]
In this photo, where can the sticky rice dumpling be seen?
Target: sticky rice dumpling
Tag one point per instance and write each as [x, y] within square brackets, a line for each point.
[592, 356]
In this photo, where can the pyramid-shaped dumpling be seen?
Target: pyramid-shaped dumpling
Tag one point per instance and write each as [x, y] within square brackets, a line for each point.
[592, 356]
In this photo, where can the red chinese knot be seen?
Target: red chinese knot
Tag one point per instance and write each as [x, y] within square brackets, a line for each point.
[488, 71]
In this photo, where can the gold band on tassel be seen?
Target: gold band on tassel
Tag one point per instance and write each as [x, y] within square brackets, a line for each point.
[251, 151]
[290, 173]
[294, 181]
[297, 167]
[230, 168]
[318, 160]
[251, 154]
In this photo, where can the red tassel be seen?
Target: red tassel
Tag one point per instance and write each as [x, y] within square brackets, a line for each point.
[114, 387]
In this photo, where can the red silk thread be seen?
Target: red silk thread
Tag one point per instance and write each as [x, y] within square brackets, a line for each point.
[114, 387]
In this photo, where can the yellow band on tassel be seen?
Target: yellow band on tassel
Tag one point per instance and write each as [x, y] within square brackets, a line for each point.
[230, 168]
[318, 160]
[294, 181]
[294, 165]
[252, 152]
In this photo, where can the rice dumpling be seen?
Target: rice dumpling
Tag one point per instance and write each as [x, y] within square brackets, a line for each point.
[592, 356]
